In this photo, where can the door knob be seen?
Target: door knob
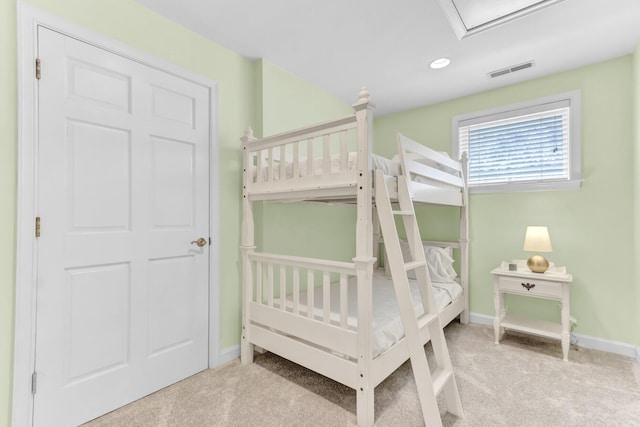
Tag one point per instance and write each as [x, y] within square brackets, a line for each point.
[200, 242]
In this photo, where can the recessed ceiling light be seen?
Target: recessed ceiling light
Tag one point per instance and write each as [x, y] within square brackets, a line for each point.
[439, 63]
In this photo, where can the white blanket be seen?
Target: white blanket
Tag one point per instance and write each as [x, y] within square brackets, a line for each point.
[387, 325]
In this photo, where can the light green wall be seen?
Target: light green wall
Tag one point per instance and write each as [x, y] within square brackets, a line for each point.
[591, 228]
[289, 102]
[636, 196]
[8, 150]
[131, 23]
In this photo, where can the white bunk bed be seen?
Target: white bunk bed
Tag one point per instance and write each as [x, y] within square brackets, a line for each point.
[328, 315]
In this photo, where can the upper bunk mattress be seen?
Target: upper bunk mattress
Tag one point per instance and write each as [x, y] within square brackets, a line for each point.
[388, 166]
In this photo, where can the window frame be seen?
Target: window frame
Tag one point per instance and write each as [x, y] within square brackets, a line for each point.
[520, 109]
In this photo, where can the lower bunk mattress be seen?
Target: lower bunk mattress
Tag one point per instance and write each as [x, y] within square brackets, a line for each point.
[387, 325]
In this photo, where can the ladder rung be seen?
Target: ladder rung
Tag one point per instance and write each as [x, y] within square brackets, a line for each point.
[439, 379]
[425, 319]
[406, 213]
[413, 265]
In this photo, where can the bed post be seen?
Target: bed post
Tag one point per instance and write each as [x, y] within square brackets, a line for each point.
[248, 247]
[464, 239]
[364, 259]
[377, 238]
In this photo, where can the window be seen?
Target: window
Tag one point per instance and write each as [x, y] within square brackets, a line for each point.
[525, 147]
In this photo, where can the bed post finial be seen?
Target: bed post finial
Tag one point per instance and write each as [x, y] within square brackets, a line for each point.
[363, 96]
[248, 135]
[363, 100]
[464, 159]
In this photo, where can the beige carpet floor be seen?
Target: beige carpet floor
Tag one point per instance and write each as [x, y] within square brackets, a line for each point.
[521, 382]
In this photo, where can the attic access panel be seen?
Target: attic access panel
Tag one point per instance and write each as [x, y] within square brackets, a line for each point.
[468, 17]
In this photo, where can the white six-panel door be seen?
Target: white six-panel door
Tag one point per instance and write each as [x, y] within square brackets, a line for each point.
[123, 190]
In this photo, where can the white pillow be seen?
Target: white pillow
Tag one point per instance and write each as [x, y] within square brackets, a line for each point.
[439, 262]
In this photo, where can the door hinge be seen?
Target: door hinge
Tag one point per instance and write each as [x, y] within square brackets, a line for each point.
[38, 69]
[34, 382]
[37, 226]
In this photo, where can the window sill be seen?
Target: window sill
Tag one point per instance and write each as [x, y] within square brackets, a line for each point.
[521, 187]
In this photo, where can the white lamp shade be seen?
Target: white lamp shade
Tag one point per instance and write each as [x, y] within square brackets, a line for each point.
[537, 239]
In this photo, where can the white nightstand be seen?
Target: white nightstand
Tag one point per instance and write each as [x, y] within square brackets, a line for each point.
[552, 284]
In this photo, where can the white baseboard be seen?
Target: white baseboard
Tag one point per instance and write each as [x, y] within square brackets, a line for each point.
[584, 341]
[233, 352]
[228, 354]
[616, 347]
[480, 319]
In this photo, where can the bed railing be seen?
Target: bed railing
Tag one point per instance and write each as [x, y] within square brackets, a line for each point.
[326, 156]
[278, 283]
[313, 157]
[434, 177]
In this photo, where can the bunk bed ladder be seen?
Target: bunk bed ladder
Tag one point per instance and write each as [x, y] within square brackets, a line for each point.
[429, 384]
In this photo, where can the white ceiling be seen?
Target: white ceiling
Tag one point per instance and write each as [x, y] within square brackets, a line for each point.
[342, 45]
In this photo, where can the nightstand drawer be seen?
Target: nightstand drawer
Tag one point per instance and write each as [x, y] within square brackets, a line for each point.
[525, 286]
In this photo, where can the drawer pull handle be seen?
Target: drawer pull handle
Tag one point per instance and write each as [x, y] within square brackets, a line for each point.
[528, 286]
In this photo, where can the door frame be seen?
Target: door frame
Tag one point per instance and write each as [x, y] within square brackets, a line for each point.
[29, 19]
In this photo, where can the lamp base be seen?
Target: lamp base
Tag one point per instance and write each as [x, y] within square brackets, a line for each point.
[538, 264]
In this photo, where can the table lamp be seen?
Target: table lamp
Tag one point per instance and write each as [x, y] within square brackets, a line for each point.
[537, 240]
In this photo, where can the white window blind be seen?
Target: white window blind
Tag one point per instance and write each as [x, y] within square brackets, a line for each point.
[518, 147]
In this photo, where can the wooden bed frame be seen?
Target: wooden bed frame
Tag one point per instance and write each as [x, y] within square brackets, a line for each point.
[313, 164]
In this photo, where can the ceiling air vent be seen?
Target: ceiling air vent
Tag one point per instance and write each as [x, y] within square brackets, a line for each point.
[511, 69]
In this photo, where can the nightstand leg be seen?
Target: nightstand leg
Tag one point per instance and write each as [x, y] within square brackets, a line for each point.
[565, 346]
[566, 323]
[498, 302]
